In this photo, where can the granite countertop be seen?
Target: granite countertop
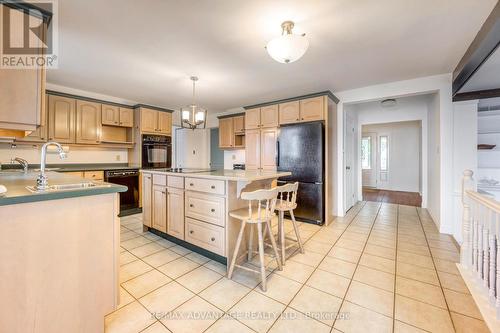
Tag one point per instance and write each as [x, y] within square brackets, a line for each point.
[77, 167]
[232, 175]
[16, 183]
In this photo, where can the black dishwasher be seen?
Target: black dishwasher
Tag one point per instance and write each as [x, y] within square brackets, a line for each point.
[129, 200]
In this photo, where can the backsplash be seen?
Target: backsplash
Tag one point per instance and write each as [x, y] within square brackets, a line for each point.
[233, 157]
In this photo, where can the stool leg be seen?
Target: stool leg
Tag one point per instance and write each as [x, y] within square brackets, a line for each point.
[236, 249]
[275, 248]
[282, 236]
[250, 244]
[297, 233]
[261, 257]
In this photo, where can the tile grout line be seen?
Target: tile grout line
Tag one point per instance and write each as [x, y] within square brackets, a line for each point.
[395, 272]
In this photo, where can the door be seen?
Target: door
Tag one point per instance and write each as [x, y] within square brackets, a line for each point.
[126, 117]
[175, 212]
[350, 171]
[289, 112]
[164, 122]
[252, 149]
[369, 160]
[159, 208]
[147, 204]
[216, 154]
[62, 112]
[268, 140]
[88, 122]
[252, 118]
[269, 116]
[312, 109]
[383, 160]
[110, 115]
[226, 133]
[148, 120]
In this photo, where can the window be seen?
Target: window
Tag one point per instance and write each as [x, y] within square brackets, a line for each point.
[384, 153]
[366, 153]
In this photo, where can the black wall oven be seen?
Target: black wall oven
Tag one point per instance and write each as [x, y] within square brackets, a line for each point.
[156, 151]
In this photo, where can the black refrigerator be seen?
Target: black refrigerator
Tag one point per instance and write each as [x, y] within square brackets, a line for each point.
[301, 150]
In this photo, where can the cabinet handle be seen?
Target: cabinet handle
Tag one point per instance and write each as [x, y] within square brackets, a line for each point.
[212, 210]
[191, 231]
[163, 192]
[191, 184]
[212, 239]
[191, 205]
[212, 187]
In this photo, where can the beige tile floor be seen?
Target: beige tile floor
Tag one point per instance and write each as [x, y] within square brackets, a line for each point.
[381, 268]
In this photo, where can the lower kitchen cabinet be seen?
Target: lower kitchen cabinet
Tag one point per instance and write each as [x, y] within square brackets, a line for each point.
[159, 208]
[261, 150]
[175, 212]
[205, 235]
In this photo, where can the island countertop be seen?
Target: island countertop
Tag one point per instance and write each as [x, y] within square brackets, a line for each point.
[17, 192]
[226, 174]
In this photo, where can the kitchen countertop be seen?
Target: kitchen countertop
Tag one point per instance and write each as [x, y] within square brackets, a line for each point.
[77, 167]
[16, 183]
[232, 175]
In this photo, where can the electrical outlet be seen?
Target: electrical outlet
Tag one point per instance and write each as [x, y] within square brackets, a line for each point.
[234, 157]
[118, 157]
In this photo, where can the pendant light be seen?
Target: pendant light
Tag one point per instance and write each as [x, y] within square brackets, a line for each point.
[287, 47]
[193, 116]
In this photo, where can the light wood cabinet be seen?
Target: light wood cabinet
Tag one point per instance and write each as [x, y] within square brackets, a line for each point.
[175, 212]
[126, 117]
[252, 149]
[62, 114]
[312, 109]
[22, 91]
[41, 133]
[269, 116]
[268, 140]
[164, 122]
[88, 122]
[147, 200]
[110, 115]
[94, 175]
[148, 120]
[159, 208]
[226, 133]
[252, 118]
[205, 207]
[205, 235]
[239, 125]
[289, 112]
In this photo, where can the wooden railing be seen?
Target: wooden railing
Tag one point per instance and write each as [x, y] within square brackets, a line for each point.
[480, 250]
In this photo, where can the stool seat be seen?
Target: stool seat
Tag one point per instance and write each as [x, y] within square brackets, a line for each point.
[284, 206]
[242, 214]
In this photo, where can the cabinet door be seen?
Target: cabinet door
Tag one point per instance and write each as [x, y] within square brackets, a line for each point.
[62, 119]
[147, 204]
[164, 122]
[269, 116]
[252, 118]
[269, 137]
[126, 117]
[239, 124]
[149, 120]
[88, 122]
[159, 208]
[175, 212]
[42, 132]
[289, 112]
[252, 149]
[110, 115]
[226, 133]
[312, 109]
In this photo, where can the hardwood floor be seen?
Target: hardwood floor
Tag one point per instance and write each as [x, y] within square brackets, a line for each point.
[395, 197]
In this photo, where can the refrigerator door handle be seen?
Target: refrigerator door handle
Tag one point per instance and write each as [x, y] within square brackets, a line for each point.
[318, 183]
[277, 153]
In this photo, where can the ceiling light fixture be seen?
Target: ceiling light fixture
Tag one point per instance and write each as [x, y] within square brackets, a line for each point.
[388, 103]
[287, 47]
[193, 116]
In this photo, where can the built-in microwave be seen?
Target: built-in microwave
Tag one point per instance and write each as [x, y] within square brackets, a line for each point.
[156, 151]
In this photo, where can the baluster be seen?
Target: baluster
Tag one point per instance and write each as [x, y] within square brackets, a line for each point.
[493, 261]
[474, 238]
[480, 244]
[466, 248]
[486, 255]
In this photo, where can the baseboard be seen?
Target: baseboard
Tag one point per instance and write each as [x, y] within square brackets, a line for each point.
[482, 301]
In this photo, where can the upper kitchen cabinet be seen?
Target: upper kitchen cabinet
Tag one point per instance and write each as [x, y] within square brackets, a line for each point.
[266, 116]
[155, 121]
[289, 112]
[22, 91]
[62, 115]
[232, 132]
[312, 109]
[41, 133]
[88, 122]
[239, 125]
[126, 117]
[110, 115]
[252, 118]
[165, 123]
[149, 121]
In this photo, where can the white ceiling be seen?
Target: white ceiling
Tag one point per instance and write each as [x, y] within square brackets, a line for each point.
[146, 50]
[487, 76]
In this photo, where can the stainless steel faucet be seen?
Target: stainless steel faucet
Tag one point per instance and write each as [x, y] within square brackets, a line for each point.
[41, 181]
[23, 163]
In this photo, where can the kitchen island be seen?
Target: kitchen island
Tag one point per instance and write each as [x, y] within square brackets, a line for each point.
[192, 207]
[59, 253]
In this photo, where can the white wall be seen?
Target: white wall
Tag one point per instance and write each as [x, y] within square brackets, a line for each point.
[404, 154]
[233, 157]
[434, 156]
[439, 84]
[192, 148]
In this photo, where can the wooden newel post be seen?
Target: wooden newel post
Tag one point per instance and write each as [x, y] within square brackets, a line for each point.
[466, 247]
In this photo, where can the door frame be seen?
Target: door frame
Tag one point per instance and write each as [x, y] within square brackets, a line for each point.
[374, 159]
[350, 126]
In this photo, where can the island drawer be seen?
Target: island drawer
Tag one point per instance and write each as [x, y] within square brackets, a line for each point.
[174, 181]
[206, 185]
[160, 180]
[204, 235]
[205, 207]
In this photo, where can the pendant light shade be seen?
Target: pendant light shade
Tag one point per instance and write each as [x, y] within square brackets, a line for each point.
[193, 116]
[288, 47]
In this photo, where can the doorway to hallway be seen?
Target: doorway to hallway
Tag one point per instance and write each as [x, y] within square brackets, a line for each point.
[395, 197]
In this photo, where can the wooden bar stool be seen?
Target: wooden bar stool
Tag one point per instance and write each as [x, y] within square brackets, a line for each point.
[287, 196]
[261, 205]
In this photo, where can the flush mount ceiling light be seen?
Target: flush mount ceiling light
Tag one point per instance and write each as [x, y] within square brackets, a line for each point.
[193, 116]
[388, 103]
[287, 47]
